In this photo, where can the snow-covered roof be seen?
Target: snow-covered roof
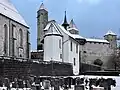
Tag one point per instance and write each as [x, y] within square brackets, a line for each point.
[110, 33]
[36, 50]
[69, 34]
[77, 36]
[52, 28]
[7, 9]
[72, 26]
[96, 40]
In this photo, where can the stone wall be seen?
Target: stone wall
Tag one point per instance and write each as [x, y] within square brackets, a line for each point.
[13, 35]
[10, 68]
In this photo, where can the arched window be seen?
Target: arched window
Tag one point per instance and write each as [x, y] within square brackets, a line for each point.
[5, 39]
[21, 37]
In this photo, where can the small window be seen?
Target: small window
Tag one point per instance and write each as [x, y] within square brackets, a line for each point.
[41, 13]
[60, 56]
[60, 43]
[74, 62]
[76, 48]
[71, 45]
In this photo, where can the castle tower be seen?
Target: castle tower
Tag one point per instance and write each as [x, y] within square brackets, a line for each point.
[52, 43]
[72, 28]
[112, 38]
[42, 20]
[65, 23]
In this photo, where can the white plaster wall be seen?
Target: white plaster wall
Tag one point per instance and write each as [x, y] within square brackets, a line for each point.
[51, 48]
[73, 55]
[66, 48]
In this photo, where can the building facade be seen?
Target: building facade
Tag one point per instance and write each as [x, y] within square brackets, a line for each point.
[14, 34]
[63, 43]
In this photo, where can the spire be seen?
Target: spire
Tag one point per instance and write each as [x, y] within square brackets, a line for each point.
[42, 7]
[72, 28]
[72, 25]
[65, 24]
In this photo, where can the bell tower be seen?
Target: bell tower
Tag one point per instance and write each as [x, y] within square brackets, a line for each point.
[42, 20]
[111, 38]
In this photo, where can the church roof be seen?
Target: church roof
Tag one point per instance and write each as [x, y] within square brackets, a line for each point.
[110, 33]
[54, 28]
[51, 28]
[75, 36]
[7, 9]
[96, 40]
[72, 25]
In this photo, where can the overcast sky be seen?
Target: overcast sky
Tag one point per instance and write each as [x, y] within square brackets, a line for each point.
[92, 17]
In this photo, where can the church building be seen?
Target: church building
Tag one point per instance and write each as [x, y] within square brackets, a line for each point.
[14, 33]
[63, 43]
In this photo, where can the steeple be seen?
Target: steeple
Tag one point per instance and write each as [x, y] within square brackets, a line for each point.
[65, 23]
[72, 28]
[42, 20]
[42, 7]
[72, 25]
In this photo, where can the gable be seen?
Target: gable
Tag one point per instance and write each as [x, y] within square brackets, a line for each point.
[7, 9]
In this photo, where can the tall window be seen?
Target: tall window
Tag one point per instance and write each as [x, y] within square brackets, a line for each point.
[71, 45]
[21, 37]
[74, 62]
[76, 48]
[5, 39]
[13, 41]
[28, 44]
[60, 43]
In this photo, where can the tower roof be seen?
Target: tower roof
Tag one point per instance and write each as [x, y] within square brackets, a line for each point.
[65, 23]
[42, 6]
[7, 9]
[110, 33]
[72, 25]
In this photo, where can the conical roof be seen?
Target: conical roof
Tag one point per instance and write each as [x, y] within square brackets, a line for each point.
[65, 23]
[42, 6]
[7, 9]
[72, 25]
